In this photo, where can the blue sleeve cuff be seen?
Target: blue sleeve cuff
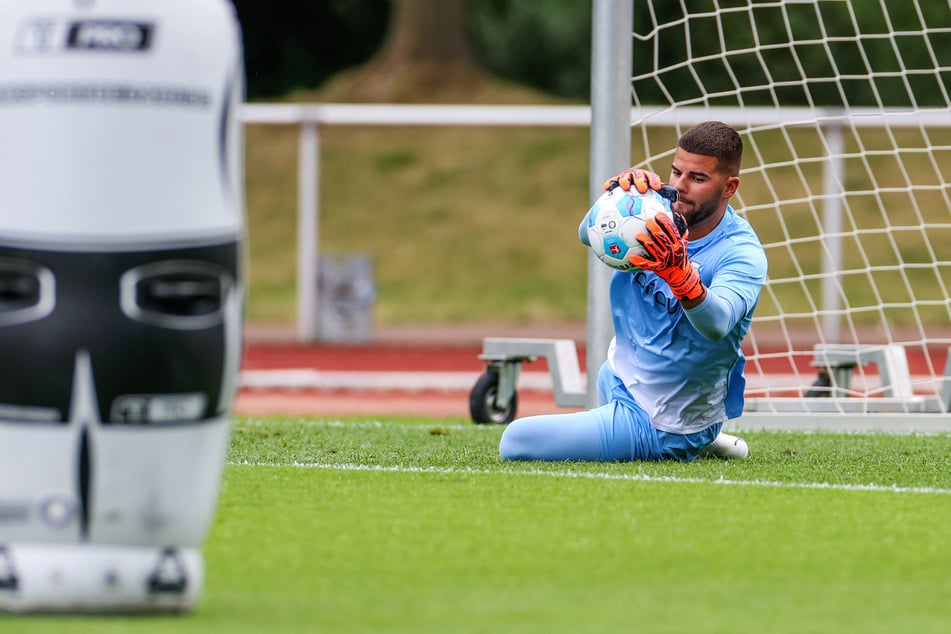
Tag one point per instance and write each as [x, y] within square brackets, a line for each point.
[713, 317]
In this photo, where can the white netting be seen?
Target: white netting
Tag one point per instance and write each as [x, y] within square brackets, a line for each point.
[844, 112]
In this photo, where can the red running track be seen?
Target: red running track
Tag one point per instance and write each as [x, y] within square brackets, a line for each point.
[437, 357]
[371, 401]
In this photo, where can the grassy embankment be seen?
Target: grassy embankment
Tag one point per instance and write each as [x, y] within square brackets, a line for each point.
[475, 224]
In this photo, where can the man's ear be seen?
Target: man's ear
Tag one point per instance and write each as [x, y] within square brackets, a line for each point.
[732, 184]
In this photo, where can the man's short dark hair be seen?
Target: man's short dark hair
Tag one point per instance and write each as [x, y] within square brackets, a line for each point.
[714, 138]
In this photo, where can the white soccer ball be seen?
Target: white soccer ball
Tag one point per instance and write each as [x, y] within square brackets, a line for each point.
[614, 221]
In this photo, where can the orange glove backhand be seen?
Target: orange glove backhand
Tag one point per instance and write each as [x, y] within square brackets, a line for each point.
[641, 180]
[667, 248]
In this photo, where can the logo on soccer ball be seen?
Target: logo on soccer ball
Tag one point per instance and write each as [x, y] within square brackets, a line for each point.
[615, 221]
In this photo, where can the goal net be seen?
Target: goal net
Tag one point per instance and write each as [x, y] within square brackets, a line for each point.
[844, 110]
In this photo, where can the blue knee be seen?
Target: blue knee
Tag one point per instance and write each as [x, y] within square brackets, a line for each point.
[511, 446]
[552, 437]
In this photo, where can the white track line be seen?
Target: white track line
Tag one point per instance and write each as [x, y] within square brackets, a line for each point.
[629, 477]
[306, 378]
[309, 378]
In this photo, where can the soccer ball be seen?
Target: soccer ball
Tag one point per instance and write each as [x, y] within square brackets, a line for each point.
[614, 221]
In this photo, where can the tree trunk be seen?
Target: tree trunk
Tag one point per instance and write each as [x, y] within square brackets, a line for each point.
[430, 31]
[425, 58]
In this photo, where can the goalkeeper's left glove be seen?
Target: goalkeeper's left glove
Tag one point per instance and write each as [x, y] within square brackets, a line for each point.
[666, 243]
[640, 180]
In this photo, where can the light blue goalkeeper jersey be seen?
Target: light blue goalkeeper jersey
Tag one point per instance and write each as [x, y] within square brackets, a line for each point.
[685, 380]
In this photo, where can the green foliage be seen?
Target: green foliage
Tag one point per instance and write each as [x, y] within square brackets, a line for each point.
[546, 45]
[770, 49]
[302, 44]
[297, 44]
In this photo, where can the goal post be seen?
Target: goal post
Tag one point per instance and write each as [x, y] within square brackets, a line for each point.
[844, 110]
[610, 153]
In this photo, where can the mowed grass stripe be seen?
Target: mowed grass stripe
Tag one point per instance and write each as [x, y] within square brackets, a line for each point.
[633, 477]
[416, 525]
[876, 461]
[424, 551]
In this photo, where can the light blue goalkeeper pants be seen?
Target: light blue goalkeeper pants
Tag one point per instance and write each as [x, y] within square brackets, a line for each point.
[617, 430]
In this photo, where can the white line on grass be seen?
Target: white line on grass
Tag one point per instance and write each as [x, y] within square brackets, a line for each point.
[731, 426]
[632, 477]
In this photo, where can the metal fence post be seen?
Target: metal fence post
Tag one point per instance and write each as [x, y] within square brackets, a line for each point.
[307, 202]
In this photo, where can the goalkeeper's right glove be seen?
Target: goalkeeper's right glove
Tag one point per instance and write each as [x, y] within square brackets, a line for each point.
[641, 180]
[665, 241]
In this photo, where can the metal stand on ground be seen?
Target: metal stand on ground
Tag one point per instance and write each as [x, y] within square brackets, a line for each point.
[494, 398]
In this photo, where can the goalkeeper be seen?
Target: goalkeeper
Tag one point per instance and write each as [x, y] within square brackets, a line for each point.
[674, 370]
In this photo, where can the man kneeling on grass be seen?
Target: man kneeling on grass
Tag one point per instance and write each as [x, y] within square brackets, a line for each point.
[674, 371]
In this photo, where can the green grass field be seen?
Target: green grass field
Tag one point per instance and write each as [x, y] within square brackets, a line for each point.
[415, 525]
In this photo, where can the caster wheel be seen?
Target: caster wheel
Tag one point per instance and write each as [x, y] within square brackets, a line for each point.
[482, 401]
[821, 387]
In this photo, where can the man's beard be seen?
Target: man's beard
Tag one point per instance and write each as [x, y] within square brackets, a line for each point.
[699, 212]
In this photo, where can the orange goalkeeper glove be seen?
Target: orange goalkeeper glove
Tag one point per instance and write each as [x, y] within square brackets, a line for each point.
[666, 245]
[641, 180]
